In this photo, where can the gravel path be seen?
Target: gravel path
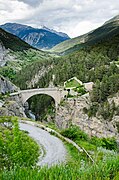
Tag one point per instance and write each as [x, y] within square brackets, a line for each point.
[53, 147]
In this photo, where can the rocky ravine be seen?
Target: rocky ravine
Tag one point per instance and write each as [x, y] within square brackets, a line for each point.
[71, 111]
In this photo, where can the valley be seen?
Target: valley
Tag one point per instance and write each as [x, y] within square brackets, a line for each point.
[72, 88]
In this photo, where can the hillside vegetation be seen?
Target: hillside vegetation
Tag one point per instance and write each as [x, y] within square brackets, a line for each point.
[24, 59]
[108, 30]
[12, 42]
[16, 147]
[17, 164]
[62, 47]
[19, 54]
[94, 63]
[88, 64]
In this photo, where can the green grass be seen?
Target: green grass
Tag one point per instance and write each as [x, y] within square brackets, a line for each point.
[72, 83]
[76, 87]
[108, 170]
[77, 166]
[16, 147]
[80, 89]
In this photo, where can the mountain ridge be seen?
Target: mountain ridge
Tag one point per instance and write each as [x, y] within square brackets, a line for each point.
[107, 30]
[43, 38]
[12, 42]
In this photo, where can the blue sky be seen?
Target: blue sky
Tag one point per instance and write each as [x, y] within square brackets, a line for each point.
[74, 17]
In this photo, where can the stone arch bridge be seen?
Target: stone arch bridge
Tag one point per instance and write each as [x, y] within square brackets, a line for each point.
[56, 93]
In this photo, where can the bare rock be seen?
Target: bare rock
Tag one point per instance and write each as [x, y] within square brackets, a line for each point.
[6, 86]
[73, 112]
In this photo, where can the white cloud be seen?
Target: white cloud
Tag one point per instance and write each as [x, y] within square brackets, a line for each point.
[12, 10]
[74, 17]
[31, 2]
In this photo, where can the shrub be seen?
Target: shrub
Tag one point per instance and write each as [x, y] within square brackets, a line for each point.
[93, 109]
[74, 133]
[108, 143]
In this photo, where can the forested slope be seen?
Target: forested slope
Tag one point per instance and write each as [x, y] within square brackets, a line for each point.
[16, 54]
[94, 63]
[88, 64]
[108, 30]
[12, 42]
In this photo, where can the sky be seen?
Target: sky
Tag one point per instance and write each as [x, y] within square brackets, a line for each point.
[74, 17]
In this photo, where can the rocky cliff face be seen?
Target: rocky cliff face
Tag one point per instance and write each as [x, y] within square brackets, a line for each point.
[72, 112]
[39, 75]
[10, 106]
[2, 54]
[6, 86]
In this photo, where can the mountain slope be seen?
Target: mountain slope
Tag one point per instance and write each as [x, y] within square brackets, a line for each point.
[63, 46]
[99, 64]
[43, 38]
[16, 54]
[83, 64]
[12, 42]
[8, 43]
[109, 29]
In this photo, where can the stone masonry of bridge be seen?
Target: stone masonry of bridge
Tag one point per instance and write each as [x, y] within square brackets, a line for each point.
[56, 93]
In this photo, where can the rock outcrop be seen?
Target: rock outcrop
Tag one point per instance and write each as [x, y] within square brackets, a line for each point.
[6, 86]
[2, 54]
[38, 76]
[10, 106]
[72, 112]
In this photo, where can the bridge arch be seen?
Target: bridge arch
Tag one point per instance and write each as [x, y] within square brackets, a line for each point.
[56, 93]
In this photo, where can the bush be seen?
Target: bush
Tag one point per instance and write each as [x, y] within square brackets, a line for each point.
[74, 133]
[93, 109]
[108, 143]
